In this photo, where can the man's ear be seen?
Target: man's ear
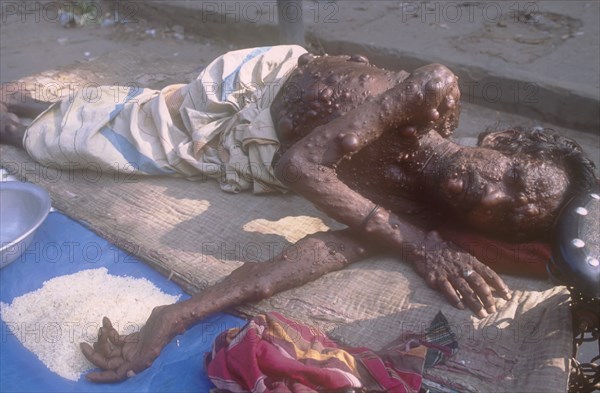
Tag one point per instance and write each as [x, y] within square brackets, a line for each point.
[494, 139]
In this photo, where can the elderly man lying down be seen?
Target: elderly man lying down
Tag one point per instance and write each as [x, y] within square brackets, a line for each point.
[358, 141]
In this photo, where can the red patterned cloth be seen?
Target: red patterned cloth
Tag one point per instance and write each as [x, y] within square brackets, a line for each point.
[522, 259]
[275, 354]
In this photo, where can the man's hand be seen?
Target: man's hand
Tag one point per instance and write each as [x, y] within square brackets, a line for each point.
[459, 276]
[121, 357]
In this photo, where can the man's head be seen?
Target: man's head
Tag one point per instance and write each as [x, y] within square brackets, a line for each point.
[515, 182]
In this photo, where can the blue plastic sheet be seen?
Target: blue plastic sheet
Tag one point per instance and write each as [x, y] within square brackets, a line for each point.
[63, 246]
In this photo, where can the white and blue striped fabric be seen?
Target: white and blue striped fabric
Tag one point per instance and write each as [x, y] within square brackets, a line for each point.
[216, 126]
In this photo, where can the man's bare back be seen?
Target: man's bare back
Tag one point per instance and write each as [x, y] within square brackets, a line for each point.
[327, 87]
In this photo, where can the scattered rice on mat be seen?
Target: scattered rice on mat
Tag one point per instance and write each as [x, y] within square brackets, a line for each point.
[53, 320]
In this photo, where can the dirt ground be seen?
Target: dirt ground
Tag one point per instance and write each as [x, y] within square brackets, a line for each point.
[31, 46]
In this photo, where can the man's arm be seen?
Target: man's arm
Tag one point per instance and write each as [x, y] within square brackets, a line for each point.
[121, 357]
[309, 168]
[315, 255]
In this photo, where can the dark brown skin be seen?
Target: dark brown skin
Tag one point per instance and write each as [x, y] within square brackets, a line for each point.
[11, 130]
[12, 106]
[359, 137]
[350, 163]
[318, 254]
[508, 197]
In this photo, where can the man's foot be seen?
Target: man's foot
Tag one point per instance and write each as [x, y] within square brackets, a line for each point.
[11, 130]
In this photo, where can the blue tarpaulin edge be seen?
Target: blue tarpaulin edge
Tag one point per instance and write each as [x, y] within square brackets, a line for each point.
[63, 246]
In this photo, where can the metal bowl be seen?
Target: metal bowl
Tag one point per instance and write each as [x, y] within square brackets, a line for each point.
[23, 208]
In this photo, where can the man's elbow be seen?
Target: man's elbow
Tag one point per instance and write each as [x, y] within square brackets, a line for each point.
[292, 169]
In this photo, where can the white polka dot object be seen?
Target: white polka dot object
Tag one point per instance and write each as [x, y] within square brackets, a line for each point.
[576, 254]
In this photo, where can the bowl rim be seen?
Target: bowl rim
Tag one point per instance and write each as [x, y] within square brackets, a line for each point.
[42, 195]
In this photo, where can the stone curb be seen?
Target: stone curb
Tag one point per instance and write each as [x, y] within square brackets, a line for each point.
[542, 101]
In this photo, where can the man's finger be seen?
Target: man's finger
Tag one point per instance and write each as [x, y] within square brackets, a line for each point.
[112, 333]
[124, 371]
[494, 280]
[107, 376]
[106, 349]
[98, 359]
[107, 343]
[483, 291]
[469, 297]
[95, 357]
[450, 293]
[102, 345]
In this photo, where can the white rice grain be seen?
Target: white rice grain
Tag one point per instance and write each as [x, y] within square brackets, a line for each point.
[67, 310]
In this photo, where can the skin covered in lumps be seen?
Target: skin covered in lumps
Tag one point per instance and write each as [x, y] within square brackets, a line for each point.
[356, 140]
[319, 144]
